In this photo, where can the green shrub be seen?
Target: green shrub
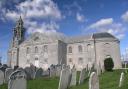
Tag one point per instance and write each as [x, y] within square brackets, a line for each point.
[108, 64]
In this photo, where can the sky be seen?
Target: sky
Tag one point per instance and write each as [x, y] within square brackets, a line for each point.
[68, 17]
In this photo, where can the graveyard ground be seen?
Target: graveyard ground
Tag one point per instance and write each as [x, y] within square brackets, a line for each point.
[108, 80]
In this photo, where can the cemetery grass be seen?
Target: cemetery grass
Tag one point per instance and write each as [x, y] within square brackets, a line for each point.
[108, 80]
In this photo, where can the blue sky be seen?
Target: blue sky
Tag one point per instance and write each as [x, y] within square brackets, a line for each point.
[70, 17]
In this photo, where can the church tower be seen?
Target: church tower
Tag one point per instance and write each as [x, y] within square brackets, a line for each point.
[18, 33]
[17, 39]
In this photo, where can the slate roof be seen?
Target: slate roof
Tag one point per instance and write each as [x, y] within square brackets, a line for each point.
[103, 35]
[90, 36]
[73, 39]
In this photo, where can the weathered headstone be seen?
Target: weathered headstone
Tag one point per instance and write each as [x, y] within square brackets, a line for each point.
[21, 69]
[1, 77]
[52, 71]
[38, 73]
[91, 70]
[73, 76]
[46, 73]
[121, 79]
[58, 71]
[8, 72]
[17, 80]
[83, 75]
[94, 81]
[29, 72]
[64, 79]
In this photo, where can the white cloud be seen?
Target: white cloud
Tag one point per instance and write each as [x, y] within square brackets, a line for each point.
[125, 16]
[42, 28]
[101, 23]
[34, 13]
[36, 9]
[108, 25]
[80, 17]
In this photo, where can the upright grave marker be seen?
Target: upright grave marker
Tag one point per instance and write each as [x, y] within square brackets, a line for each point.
[38, 73]
[64, 79]
[94, 81]
[121, 79]
[1, 77]
[73, 76]
[8, 72]
[17, 80]
[83, 75]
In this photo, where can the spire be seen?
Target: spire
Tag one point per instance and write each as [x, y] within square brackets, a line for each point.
[19, 22]
[20, 19]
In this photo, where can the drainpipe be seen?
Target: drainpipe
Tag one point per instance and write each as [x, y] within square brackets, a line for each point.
[95, 65]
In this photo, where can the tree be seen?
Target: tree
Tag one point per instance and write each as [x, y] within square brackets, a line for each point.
[108, 64]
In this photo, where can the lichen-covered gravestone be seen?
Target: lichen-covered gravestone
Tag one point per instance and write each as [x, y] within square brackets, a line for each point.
[38, 73]
[73, 76]
[17, 80]
[83, 76]
[121, 79]
[1, 77]
[94, 81]
[8, 72]
[64, 79]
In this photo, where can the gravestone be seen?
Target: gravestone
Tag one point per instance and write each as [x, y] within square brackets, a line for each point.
[52, 70]
[93, 81]
[73, 76]
[3, 68]
[58, 71]
[1, 77]
[121, 79]
[38, 73]
[91, 70]
[29, 72]
[8, 72]
[46, 73]
[64, 79]
[17, 80]
[21, 69]
[83, 76]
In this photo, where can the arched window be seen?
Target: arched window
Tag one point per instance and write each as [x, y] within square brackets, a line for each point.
[36, 49]
[70, 49]
[80, 48]
[28, 50]
[45, 48]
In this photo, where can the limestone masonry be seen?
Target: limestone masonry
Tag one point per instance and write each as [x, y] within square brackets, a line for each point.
[43, 50]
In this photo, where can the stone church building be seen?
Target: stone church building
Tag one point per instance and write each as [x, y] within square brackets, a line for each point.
[43, 50]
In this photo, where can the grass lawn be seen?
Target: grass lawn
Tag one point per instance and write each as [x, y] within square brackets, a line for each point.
[108, 80]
